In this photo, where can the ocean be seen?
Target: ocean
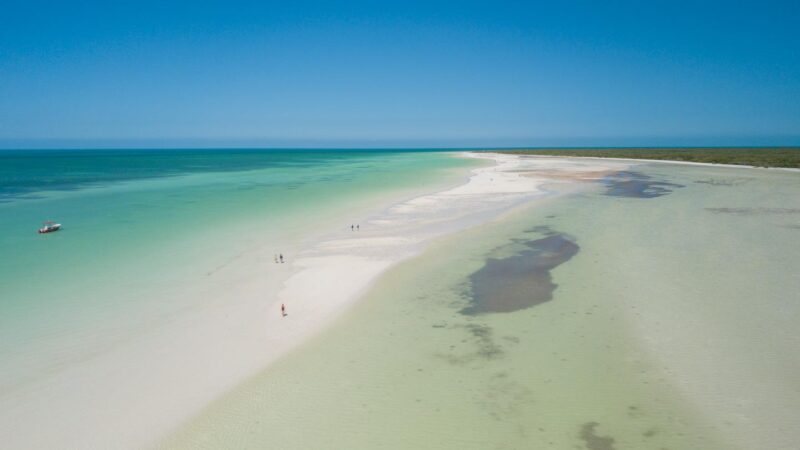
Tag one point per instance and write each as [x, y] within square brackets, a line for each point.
[653, 308]
[149, 235]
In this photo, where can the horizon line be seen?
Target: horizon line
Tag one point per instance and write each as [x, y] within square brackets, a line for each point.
[444, 143]
[415, 148]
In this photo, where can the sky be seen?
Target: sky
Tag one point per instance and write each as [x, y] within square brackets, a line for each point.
[399, 74]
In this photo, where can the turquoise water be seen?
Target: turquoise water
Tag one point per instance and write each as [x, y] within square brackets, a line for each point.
[26, 173]
[142, 227]
[654, 310]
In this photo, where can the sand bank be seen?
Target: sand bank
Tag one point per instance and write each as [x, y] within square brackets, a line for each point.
[143, 386]
[653, 339]
[333, 272]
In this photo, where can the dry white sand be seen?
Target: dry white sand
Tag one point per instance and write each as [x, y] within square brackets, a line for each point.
[130, 394]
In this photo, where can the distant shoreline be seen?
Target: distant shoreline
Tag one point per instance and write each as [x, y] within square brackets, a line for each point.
[766, 157]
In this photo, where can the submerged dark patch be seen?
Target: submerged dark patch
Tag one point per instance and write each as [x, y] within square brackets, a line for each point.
[519, 281]
[636, 185]
[592, 440]
[752, 211]
[485, 349]
[542, 229]
[504, 399]
[723, 182]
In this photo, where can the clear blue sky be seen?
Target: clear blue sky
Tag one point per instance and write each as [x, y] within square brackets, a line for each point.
[451, 74]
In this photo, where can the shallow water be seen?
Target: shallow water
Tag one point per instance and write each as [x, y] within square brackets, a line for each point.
[148, 236]
[663, 322]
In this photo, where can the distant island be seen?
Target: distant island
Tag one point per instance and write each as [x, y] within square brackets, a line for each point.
[747, 156]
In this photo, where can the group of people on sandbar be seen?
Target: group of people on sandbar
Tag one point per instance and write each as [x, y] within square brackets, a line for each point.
[279, 259]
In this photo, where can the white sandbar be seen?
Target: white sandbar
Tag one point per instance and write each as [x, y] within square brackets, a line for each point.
[140, 389]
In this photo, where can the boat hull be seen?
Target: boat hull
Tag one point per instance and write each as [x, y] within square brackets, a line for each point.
[50, 229]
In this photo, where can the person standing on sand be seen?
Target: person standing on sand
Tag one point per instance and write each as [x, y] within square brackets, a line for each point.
[358, 227]
[283, 310]
[281, 258]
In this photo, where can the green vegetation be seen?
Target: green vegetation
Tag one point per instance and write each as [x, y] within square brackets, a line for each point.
[749, 156]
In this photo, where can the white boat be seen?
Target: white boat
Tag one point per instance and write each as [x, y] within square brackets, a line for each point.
[49, 227]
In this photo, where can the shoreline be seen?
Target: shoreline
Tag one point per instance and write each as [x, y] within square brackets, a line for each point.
[335, 272]
[427, 342]
[159, 380]
[555, 171]
[150, 383]
[337, 269]
[197, 334]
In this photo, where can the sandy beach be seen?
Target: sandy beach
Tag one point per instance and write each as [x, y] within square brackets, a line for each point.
[172, 380]
[144, 385]
[329, 275]
[566, 317]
